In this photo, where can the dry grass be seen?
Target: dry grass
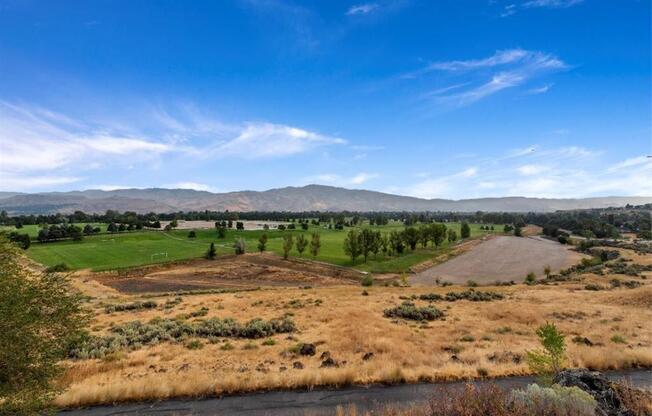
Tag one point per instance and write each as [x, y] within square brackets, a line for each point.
[348, 325]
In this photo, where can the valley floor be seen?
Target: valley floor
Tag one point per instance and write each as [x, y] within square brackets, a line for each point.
[606, 329]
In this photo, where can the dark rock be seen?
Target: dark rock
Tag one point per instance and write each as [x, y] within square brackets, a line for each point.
[597, 385]
[329, 362]
[368, 356]
[298, 365]
[455, 358]
[308, 349]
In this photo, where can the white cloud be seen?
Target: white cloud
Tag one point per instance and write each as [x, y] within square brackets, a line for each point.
[265, 140]
[341, 180]
[553, 4]
[566, 172]
[540, 90]
[511, 9]
[361, 9]
[487, 76]
[529, 170]
[38, 143]
[13, 182]
[190, 185]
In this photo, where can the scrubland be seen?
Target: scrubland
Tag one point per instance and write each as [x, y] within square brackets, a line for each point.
[355, 342]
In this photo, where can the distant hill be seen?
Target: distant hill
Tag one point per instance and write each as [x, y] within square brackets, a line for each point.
[306, 198]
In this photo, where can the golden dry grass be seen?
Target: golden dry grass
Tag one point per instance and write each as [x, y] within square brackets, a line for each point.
[348, 324]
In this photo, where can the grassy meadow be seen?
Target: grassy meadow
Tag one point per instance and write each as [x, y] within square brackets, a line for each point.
[114, 251]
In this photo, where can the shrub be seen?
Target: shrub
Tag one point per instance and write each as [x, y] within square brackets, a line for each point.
[227, 346]
[593, 286]
[555, 400]
[408, 310]
[57, 268]
[367, 280]
[135, 334]
[473, 296]
[618, 339]
[239, 246]
[192, 234]
[195, 344]
[269, 342]
[467, 338]
[472, 283]
[531, 278]
[134, 306]
[431, 297]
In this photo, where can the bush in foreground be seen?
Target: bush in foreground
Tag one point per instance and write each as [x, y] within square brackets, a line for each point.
[41, 315]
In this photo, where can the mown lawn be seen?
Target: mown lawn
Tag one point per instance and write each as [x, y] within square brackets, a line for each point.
[114, 251]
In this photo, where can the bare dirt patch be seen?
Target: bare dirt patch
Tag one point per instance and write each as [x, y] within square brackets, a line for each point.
[246, 271]
[503, 258]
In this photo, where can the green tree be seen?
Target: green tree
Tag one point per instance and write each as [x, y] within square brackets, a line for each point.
[411, 237]
[465, 231]
[452, 235]
[239, 246]
[211, 253]
[221, 232]
[530, 279]
[547, 270]
[192, 234]
[302, 243]
[174, 223]
[262, 242]
[550, 360]
[396, 242]
[367, 240]
[352, 244]
[288, 242]
[41, 316]
[438, 234]
[517, 231]
[315, 244]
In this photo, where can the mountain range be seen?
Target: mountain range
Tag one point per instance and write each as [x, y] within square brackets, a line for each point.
[296, 199]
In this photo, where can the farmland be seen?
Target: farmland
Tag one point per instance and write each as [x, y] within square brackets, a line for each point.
[131, 249]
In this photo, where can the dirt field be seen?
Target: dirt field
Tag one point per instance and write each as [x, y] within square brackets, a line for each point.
[502, 258]
[245, 271]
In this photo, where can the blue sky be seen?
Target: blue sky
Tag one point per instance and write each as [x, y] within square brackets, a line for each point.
[436, 99]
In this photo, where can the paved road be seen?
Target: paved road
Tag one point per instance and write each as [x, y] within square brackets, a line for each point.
[316, 402]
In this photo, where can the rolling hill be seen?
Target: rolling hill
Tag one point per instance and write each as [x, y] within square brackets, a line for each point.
[306, 198]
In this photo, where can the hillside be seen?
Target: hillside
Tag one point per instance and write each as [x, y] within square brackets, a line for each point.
[307, 198]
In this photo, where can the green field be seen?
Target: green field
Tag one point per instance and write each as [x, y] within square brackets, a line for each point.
[113, 251]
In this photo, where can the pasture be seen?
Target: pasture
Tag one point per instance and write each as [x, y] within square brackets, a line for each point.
[123, 250]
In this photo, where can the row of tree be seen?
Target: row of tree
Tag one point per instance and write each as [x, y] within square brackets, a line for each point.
[367, 241]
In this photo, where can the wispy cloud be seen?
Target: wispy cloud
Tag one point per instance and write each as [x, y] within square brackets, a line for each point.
[539, 90]
[190, 185]
[39, 147]
[565, 172]
[361, 9]
[476, 79]
[513, 8]
[341, 180]
[553, 4]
